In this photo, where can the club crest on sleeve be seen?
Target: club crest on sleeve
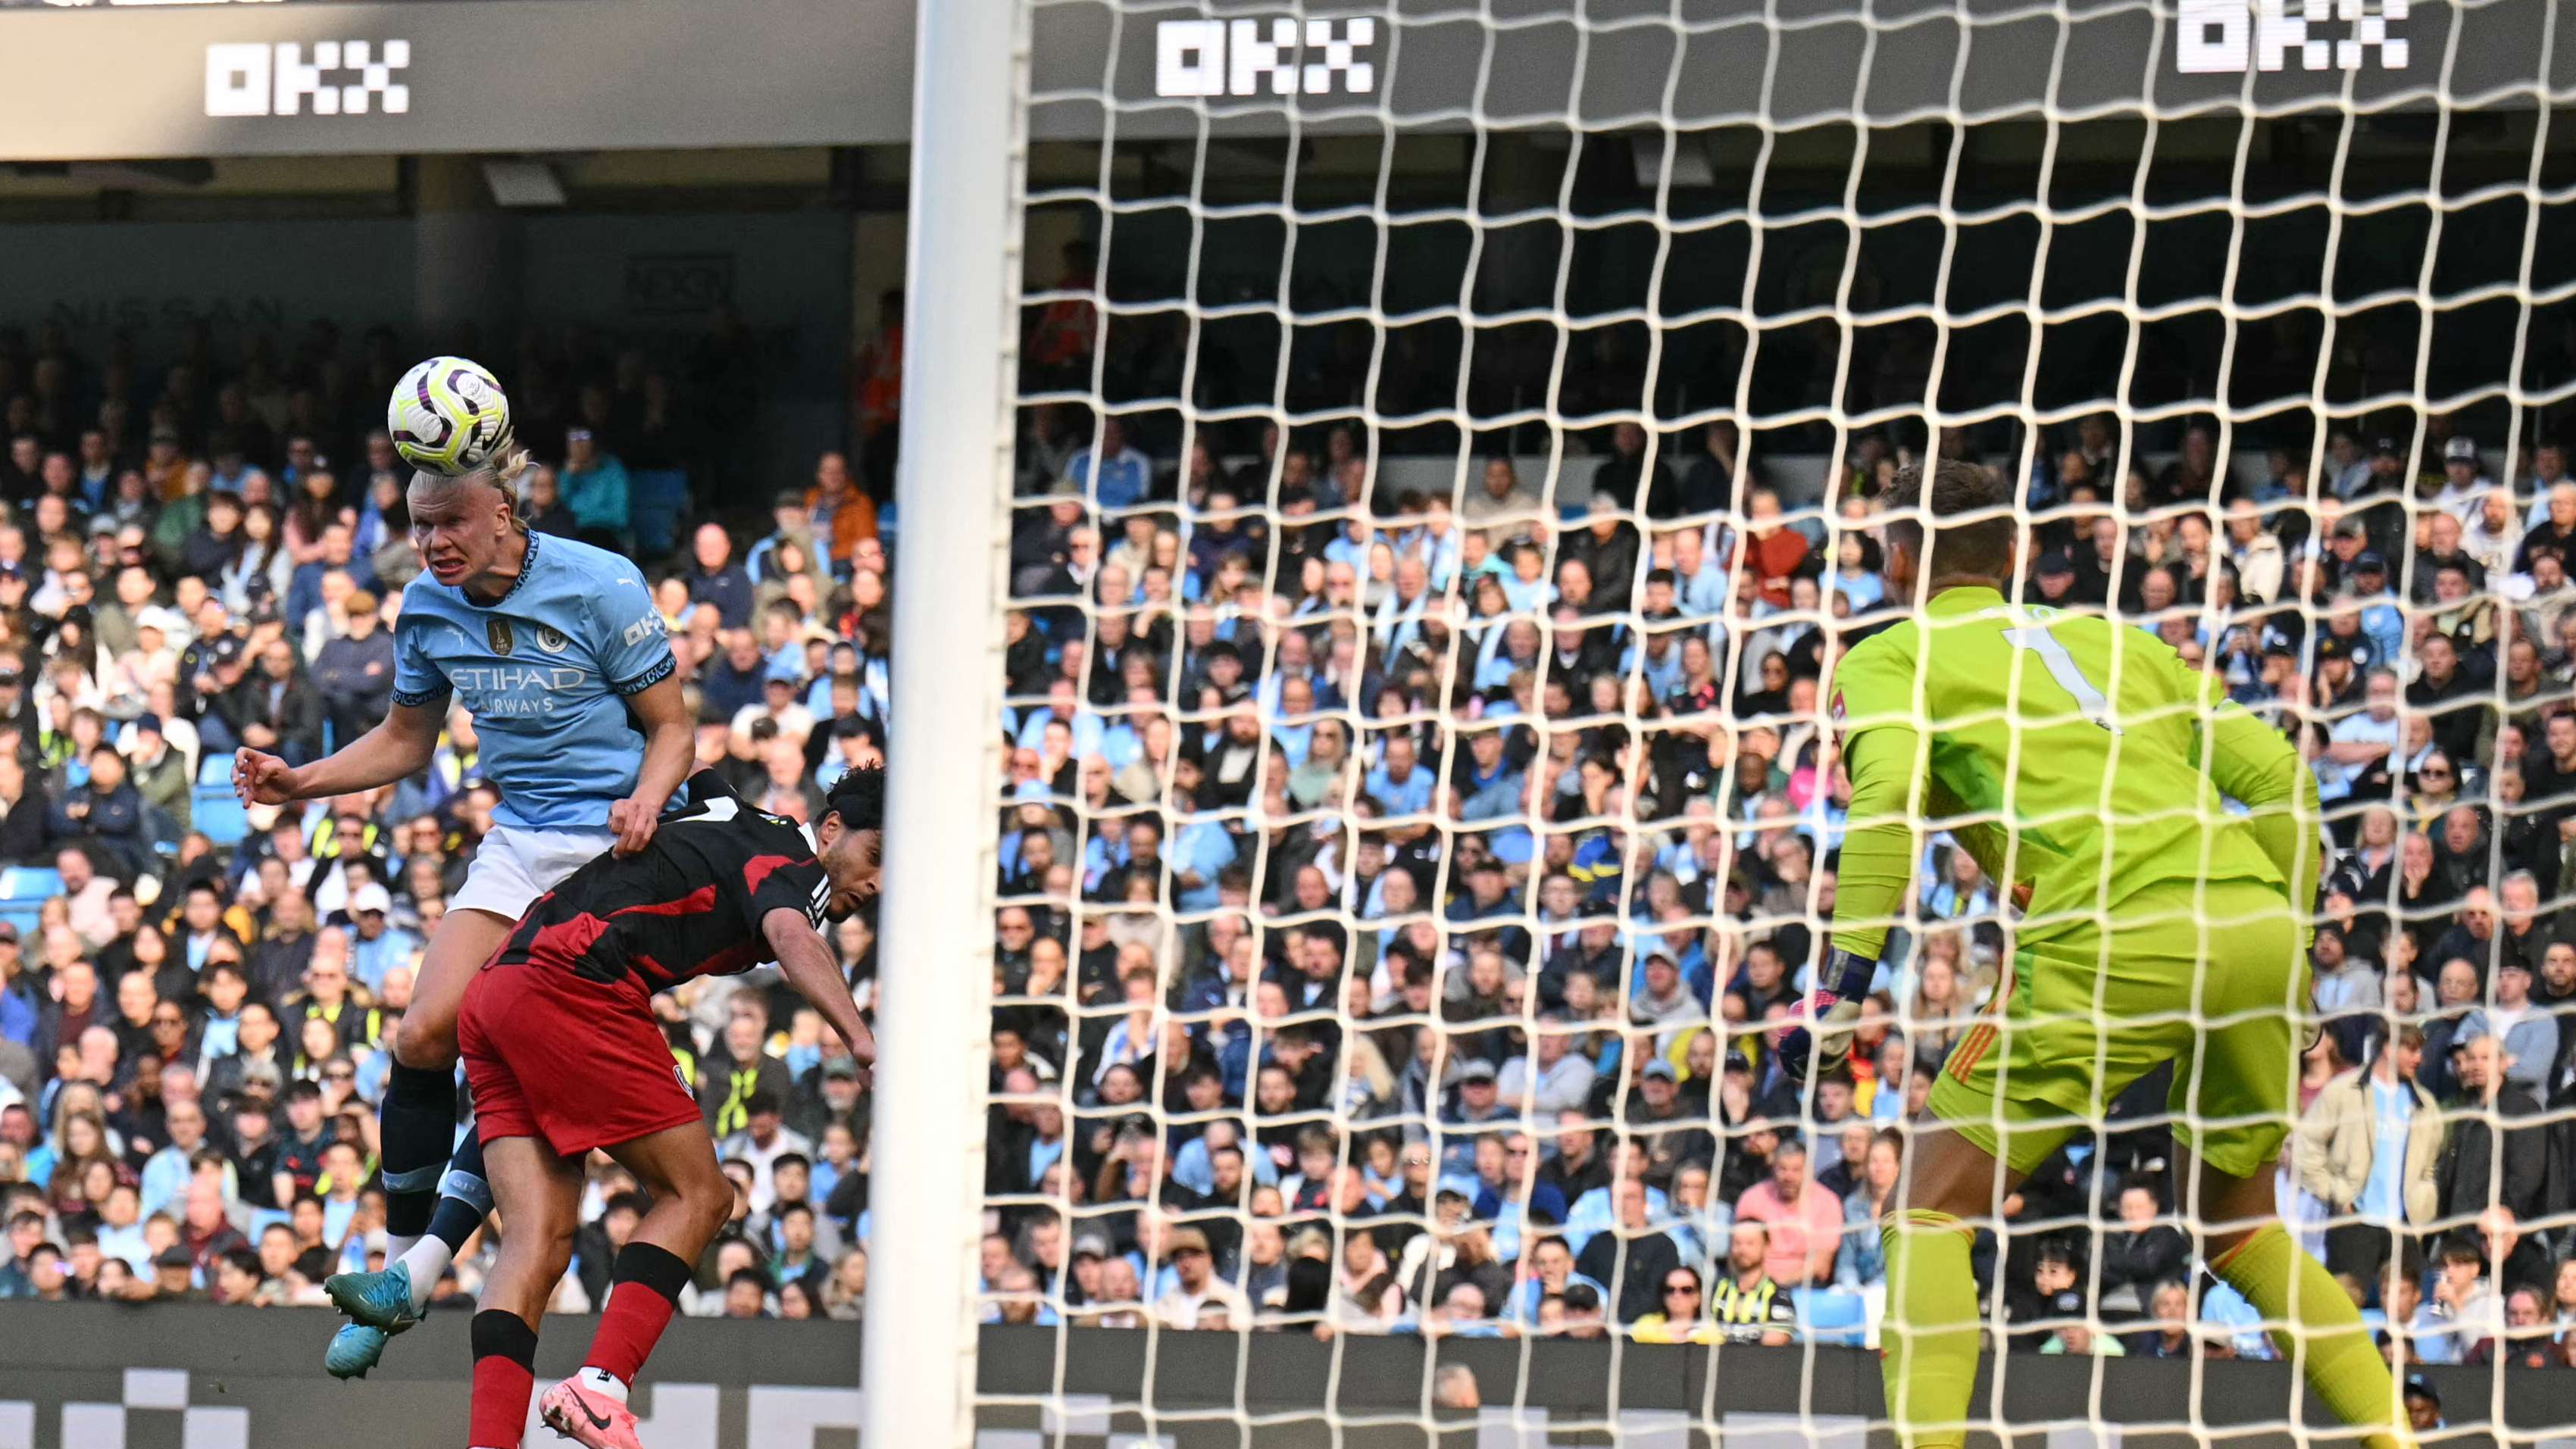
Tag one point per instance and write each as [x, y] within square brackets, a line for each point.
[551, 640]
[1836, 709]
[497, 632]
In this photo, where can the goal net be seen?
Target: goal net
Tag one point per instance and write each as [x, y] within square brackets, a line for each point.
[1451, 439]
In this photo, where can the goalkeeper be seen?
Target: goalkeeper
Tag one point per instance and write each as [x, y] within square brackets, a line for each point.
[2080, 760]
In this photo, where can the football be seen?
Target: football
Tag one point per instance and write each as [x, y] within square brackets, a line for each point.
[449, 416]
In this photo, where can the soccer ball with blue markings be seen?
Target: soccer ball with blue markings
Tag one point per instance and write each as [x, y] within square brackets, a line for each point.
[448, 416]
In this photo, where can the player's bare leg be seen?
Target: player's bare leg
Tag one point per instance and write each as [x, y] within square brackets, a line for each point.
[2317, 1325]
[691, 1201]
[539, 1197]
[435, 1192]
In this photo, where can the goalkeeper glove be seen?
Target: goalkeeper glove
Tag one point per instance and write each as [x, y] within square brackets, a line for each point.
[1823, 1035]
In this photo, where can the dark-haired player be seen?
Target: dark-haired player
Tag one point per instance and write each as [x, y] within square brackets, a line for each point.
[2086, 766]
[565, 1056]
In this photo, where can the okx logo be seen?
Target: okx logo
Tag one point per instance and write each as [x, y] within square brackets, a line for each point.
[341, 78]
[1277, 57]
[2231, 37]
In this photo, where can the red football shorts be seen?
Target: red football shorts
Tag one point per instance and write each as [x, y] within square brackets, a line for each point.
[578, 1063]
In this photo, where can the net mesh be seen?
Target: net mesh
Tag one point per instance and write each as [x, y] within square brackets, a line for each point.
[1451, 470]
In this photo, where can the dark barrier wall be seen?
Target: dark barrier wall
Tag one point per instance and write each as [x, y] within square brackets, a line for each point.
[88, 1376]
[216, 79]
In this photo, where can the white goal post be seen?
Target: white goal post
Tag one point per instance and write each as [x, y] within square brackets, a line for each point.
[962, 261]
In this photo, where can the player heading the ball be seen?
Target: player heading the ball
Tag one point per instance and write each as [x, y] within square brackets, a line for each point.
[555, 649]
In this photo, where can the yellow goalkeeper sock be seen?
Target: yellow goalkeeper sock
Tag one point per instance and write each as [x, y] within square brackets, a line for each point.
[1930, 1339]
[2320, 1329]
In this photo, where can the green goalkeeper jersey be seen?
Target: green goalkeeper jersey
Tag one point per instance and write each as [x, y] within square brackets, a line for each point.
[2076, 756]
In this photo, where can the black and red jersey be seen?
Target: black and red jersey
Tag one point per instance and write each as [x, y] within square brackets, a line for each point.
[689, 904]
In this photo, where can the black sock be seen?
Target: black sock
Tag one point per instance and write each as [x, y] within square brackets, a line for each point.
[419, 1131]
[653, 1266]
[499, 1333]
[464, 1198]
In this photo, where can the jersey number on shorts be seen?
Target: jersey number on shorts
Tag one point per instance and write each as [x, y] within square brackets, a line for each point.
[2062, 668]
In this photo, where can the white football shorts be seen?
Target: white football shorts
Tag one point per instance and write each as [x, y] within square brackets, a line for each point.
[517, 864]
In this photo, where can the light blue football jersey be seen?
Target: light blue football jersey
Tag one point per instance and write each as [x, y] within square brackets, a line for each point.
[545, 673]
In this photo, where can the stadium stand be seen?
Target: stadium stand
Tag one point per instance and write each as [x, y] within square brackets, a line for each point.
[1276, 765]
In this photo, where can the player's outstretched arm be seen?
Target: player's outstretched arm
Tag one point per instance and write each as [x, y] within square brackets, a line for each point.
[670, 747]
[396, 749]
[816, 976]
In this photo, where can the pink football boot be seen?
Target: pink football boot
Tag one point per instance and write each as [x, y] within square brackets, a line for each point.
[588, 1417]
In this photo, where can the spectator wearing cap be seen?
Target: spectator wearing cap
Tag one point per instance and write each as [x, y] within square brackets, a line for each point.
[595, 486]
[1476, 1105]
[2055, 581]
[763, 1140]
[2381, 620]
[376, 945]
[1669, 1128]
[355, 670]
[1195, 1287]
[778, 704]
[173, 1278]
[2464, 481]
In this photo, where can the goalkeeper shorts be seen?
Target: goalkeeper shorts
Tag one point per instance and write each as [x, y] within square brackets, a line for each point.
[2209, 976]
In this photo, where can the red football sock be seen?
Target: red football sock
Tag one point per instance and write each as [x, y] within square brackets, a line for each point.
[645, 1292]
[505, 1352]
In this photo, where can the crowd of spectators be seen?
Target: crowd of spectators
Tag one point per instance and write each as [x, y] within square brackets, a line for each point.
[1398, 888]
[194, 1016]
[1395, 888]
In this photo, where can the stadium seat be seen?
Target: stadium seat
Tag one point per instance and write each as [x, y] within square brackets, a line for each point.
[27, 916]
[658, 496]
[1831, 1316]
[30, 883]
[216, 812]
